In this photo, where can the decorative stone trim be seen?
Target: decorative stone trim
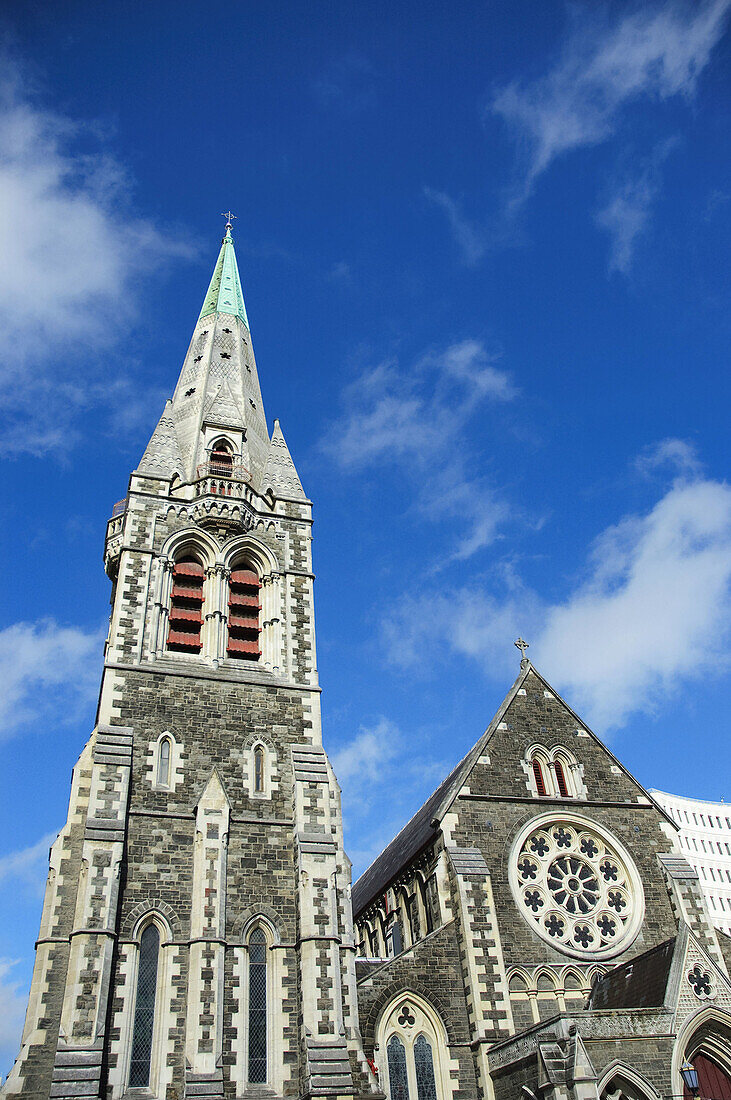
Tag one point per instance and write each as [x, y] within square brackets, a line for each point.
[150, 905]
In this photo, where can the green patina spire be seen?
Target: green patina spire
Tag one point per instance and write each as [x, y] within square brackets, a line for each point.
[225, 294]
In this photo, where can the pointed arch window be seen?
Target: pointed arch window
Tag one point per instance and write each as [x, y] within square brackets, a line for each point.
[398, 1079]
[426, 1086]
[259, 769]
[257, 1060]
[186, 606]
[163, 763]
[414, 1042]
[244, 606]
[538, 778]
[563, 789]
[222, 462]
[144, 1018]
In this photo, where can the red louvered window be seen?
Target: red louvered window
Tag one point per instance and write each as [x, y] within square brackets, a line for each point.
[222, 462]
[538, 776]
[243, 615]
[186, 606]
[561, 780]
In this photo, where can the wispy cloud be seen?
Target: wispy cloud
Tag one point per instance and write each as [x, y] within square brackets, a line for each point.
[657, 587]
[46, 670]
[72, 253]
[654, 51]
[365, 757]
[412, 419]
[470, 238]
[678, 456]
[625, 216]
[626, 212]
[377, 767]
[13, 1000]
[28, 867]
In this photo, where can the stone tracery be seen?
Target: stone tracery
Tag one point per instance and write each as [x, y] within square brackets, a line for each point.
[574, 887]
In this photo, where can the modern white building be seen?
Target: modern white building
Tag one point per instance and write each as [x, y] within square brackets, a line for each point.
[705, 839]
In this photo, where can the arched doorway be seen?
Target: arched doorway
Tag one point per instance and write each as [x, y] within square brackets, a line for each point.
[714, 1082]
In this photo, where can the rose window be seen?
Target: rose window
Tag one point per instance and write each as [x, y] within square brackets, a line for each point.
[576, 889]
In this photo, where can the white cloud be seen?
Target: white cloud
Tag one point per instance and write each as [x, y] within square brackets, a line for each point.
[655, 608]
[28, 866]
[679, 456]
[653, 611]
[470, 239]
[625, 216]
[413, 414]
[368, 754]
[413, 419]
[378, 768]
[71, 257]
[654, 51]
[13, 1002]
[43, 665]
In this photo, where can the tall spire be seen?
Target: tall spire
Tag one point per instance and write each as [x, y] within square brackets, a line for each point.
[218, 394]
[224, 293]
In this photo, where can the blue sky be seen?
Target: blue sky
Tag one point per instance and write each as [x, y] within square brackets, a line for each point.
[484, 253]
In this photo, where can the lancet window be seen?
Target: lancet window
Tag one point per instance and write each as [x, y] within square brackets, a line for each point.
[244, 607]
[144, 1018]
[257, 1054]
[538, 777]
[163, 763]
[259, 769]
[186, 606]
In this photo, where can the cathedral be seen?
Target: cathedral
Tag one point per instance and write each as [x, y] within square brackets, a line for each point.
[533, 933]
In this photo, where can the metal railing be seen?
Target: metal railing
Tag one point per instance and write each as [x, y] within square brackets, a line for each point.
[215, 468]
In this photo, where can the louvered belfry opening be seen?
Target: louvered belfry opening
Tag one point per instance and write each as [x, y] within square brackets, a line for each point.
[243, 614]
[222, 462]
[186, 606]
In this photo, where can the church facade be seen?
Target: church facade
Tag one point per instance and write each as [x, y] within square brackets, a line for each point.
[534, 931]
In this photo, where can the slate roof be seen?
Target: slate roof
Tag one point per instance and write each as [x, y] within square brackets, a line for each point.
[640, 983]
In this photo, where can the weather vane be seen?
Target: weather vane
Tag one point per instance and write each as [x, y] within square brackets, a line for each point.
[522, 646]
[229, 219]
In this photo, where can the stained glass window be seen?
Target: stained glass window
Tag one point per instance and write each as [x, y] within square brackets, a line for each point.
[397, 1076]
[257, 1007]
[424, 1064]
[163, 763]
[139, 1074]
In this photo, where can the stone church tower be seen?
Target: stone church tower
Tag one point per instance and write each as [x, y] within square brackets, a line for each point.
[196, 940]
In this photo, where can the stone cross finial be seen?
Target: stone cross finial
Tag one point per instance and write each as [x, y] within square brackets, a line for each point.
[522, 646]
[229, 219]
